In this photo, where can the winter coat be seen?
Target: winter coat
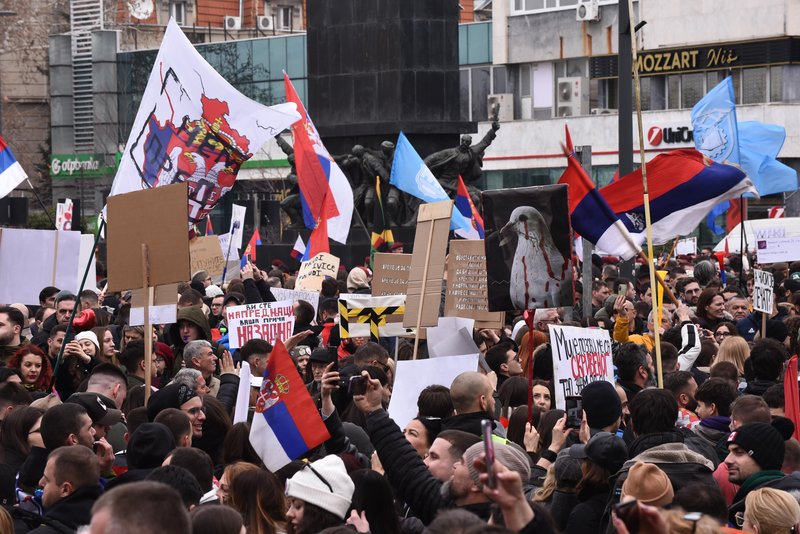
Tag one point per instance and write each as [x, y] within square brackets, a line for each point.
[762, 479]
[65, 516]
[587, 516]
[561, 506]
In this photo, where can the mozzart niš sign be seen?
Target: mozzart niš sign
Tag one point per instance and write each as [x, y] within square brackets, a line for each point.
[65, 166]
[704, 58]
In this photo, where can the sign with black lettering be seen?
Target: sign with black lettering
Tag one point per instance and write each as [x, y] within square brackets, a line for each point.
[270, 321]
[580, 356]
[315, 270]
[763, 288]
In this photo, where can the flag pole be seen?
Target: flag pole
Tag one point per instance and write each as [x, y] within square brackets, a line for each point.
[44, 208]
[651, 266]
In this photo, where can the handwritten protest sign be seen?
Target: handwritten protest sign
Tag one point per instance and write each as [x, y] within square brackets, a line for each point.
[315, 270]
[466, 294]
[686, 246]
[270, 321]
[312, 297]
[763, 287]
[390, 274]
[205, 254]
[580, 356]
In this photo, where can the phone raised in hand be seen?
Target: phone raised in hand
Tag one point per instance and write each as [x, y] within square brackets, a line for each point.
[574, 405]
[628, 513]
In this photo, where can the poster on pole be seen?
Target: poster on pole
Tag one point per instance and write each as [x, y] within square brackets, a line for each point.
[33, 259]
[312, 297]
[466, 294]
[390, 274]
[315, 270]
[580, 356]
[528, 248]
[270, 321]
[763, 288]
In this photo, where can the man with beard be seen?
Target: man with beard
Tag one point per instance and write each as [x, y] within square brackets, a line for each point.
[683, 387]
[12, 322]
[634, 368]
[690, 290]
[473, 399]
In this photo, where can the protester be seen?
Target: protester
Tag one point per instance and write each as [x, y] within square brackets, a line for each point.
[257, 495]
[319, 496]
[34, 367]
[769, 510]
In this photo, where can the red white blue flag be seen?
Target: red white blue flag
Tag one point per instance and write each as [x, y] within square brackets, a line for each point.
[465, 206]
[299, 250]
[325, 192]
[589, 213]
[250, 251]
[286, 424]
[11, 173]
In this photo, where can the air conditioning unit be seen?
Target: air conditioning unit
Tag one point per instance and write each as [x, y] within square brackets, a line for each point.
[602, 111]
[569, 96]
[505, 106]
[265, 23]
[587, 10]
[233, 23]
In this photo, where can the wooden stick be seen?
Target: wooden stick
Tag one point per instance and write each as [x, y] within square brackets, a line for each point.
[648, 224]
[763, 325]
[667, 291]
[148, 329]
[424, 284]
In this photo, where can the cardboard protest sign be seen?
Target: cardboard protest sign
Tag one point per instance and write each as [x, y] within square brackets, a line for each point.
[390, 274]
[153, 217]
[528, 248]
[270, 321]
[33, 259]
[365, 315]
[412, 376]
[580, 356]
[763, 287]
[687, 246]
[427, 264]
[466, 294]
[315, 270]
[205, 254]
[312, 297]
[163, 309]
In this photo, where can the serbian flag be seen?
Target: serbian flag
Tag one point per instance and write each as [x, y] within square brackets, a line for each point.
[683, 184]
[286, 423]
[325, 192]
[209, 228]
[318, 240]
[11, 173]
[591, 216]
[299, 250]
[467, 208]
[250, 250]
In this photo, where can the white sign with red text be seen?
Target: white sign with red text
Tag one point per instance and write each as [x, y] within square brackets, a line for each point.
[580, 356]
[270, 321]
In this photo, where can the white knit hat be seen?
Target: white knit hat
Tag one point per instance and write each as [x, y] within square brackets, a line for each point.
[309, 485]
[91, 336]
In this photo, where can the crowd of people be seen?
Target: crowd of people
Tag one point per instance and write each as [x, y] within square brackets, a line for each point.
[715, 449]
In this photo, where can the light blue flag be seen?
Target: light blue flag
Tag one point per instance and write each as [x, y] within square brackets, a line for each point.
[412, 176]
[759, 146]
[714, 124]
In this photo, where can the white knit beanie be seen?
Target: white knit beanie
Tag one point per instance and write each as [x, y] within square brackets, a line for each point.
[308, 487]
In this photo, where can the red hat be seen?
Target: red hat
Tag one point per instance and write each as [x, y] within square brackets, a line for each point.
[396, 245]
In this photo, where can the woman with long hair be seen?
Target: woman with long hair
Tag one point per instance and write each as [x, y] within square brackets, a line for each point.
[374, 500]
[258, 496]
[231, 472]
[237, 446]
[710, 309]
[108, 350]
[20, 433]
[734, 349]
[770, 511]
[34, 367]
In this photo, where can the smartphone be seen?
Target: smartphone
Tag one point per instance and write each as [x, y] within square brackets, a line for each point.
[488, 448]
[628, 513]
[357, 385]
[622, 290]
[574, 411]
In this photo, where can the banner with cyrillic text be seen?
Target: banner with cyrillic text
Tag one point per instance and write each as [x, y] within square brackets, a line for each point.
[580, 356]
[269, 321]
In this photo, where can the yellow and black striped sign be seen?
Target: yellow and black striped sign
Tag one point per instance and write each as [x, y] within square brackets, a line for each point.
[372, 311]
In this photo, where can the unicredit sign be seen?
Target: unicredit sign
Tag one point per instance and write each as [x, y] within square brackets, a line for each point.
[669, 135]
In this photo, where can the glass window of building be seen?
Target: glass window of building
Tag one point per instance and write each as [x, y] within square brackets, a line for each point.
[674, 92]
[525, 80]
[285, 17]
[177, 10]
[754, 85]
[481, 87]
[776, 84]
[691, 89]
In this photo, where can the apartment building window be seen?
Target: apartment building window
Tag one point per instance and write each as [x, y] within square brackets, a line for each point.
[520, 7]
[754, 85]
[285, 14]
[177, 10]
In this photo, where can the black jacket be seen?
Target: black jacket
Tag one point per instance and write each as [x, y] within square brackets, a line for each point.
[66, 515]
[12, 461]
[587, 516]
[561, 505]
[467, 422]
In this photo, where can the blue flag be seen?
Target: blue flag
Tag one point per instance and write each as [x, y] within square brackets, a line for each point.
[412, 176]
[759, 146]
[714, 124]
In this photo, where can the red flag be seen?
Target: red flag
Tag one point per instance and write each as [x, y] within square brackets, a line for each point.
[318, 241]
[311, 176]
[251, 246]
[792, 396]
[736, 213]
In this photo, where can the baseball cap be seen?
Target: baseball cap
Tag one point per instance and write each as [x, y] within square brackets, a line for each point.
[604, 449]
[97, 406]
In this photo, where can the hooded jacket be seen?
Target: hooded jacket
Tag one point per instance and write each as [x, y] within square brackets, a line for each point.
[195, 315]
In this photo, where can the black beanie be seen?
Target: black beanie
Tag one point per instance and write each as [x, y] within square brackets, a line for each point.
[762, 442]
[171, 396]
[601, 404]
[149, 445]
